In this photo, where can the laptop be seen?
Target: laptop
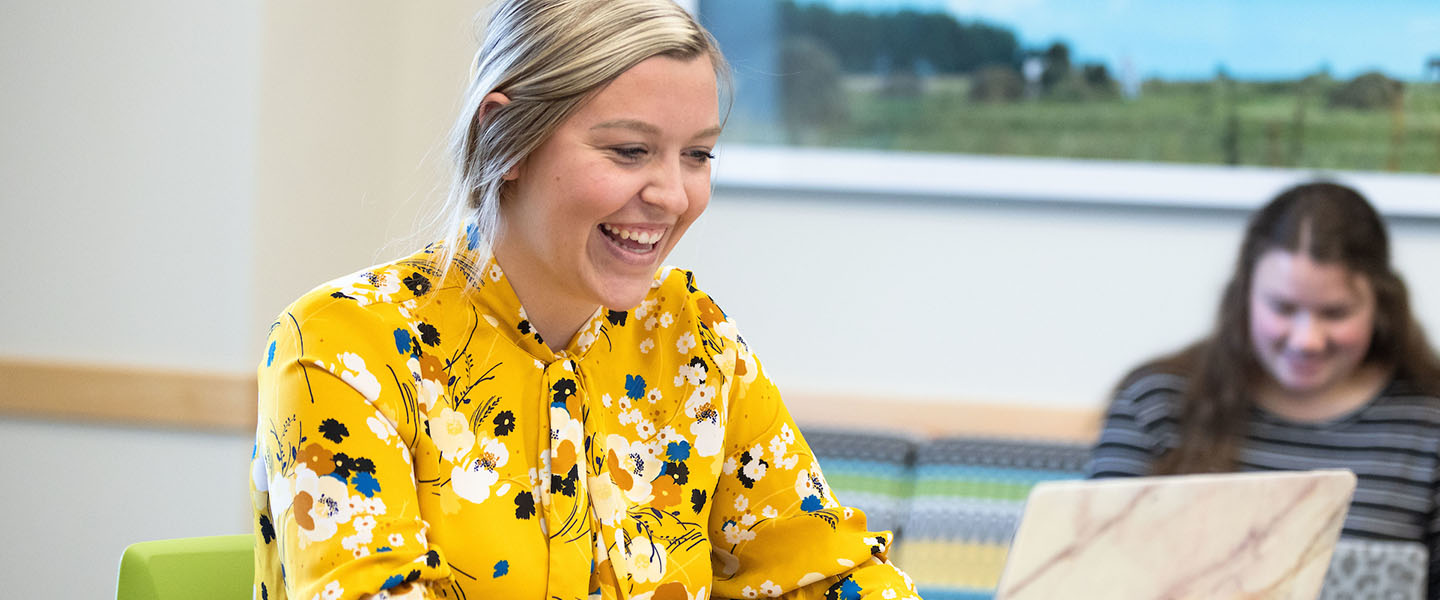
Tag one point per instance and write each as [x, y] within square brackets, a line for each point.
[1233, 535]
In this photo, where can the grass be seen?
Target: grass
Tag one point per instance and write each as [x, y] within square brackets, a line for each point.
[1274, 124]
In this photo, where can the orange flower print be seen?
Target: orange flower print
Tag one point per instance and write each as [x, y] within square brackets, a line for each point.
[618, 474]
[320, 460]
[710, 314]
[302, 505]
[667, 492]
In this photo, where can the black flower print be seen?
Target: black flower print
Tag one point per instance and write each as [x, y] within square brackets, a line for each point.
[564, 389]
[504, 423]
[432, 559]
[524, 505]
[333, 430]
[526, 328]
[343, 465]
[616, 317]
[428, 334]
[566, 485]
[264, 592]
[679, 471]
[744, 474]
[341, 295]
[267, 529]
[363, 465]
[417, 283]
[697, 500]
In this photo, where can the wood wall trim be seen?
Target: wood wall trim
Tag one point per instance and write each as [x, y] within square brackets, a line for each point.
[226, 402]
[128, 395]
[941, 416]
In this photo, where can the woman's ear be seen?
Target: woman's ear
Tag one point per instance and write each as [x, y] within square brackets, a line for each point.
[490, 102]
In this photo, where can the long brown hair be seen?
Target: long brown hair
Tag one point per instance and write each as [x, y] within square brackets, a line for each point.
[1339, 227]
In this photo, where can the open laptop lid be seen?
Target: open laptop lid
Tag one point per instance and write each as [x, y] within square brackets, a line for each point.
[1236, 535]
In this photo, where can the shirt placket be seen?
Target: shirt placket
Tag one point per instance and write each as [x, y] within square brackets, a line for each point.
[566, 497]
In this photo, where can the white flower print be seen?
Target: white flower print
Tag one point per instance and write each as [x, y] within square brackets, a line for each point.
[361, 537]
[325, 502]
[646, 345]
[380, 426]
[358, 377]
[452, 434]
[754, 470]
[495, 273]
[644, 308]
[888, 594]
[685, 343]
[640, 462]
[333, 591]
[605, 400]
[365, 523]
[630, 416]
[361, 551]
[709, 435]
[742, 502]
[473, 480]
[650, 323]
[429, 392]
[624, 403]
[730, 465]
[769, 512]
[396, 540]
[654, 395]
[644, 428]
[749, 592]
[647, 560]
[769, 588]
[734, 534]
[666, 319]
[374, 506]
[747, 520]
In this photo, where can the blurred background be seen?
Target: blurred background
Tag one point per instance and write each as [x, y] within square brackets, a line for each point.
[893, 228]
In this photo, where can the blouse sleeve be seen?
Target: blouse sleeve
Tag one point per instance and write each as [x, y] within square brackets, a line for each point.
[1136, 424]
[333, 486]
[776, 528]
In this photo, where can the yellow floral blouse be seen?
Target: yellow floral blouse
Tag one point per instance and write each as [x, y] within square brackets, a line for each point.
[418, 430]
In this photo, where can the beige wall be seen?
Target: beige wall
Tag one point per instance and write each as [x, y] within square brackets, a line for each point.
[355, 101]
[175, 172]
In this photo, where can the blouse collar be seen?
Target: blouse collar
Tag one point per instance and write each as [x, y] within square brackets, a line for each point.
[487, 287]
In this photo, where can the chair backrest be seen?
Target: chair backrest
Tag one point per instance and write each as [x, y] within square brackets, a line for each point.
[218, 567]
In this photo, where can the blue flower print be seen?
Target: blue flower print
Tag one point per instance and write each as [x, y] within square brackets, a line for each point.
[678, 451]
[270, 355]
[501, 568]
[811, 504]
[635, 387]
[402, 341]
[393, 581]
[365, 483]
[472, 236]
[845, 589]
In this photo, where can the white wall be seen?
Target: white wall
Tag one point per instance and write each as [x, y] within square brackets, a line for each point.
[942, 300]
[128, 159]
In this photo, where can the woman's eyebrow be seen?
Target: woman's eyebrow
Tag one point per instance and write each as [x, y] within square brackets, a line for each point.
[649, 129]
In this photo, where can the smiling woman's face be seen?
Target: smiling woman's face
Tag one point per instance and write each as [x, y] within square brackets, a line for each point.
[1310, 322]
[592, 213]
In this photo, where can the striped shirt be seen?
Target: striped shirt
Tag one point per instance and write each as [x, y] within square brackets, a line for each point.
[1392, 443]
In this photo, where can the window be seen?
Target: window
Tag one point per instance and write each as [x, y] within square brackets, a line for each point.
[1153, 90]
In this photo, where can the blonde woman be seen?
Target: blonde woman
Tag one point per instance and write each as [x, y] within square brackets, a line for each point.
[533, 407]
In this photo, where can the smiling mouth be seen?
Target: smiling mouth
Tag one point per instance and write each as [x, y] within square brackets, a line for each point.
[639, 242]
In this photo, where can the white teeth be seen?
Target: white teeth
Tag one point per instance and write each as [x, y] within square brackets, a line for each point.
[637, 236]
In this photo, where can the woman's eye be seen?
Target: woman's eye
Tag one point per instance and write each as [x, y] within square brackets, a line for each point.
[629, 152]
[701, 155]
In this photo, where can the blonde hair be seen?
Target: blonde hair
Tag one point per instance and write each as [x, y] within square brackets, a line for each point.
[548, 57]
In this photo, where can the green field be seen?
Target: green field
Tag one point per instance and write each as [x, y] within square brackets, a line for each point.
[1283, 124]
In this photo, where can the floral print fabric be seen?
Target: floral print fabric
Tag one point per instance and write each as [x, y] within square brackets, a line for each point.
[419, 430]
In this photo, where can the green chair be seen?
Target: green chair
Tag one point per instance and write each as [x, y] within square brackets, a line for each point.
[218, 567]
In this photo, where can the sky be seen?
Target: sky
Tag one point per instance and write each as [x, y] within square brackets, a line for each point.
[1180, 39]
